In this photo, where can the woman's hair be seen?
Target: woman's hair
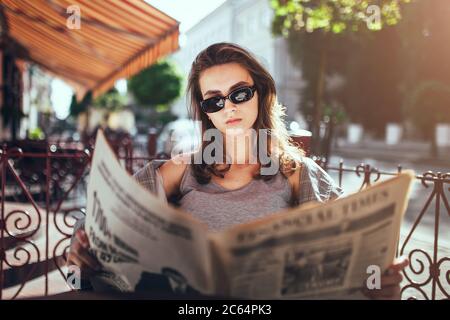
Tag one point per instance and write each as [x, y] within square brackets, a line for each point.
[270, 113]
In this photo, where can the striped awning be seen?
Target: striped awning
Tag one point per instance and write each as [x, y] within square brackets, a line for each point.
[116, 38]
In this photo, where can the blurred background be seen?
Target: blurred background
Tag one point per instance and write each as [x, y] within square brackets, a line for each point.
[367, 82]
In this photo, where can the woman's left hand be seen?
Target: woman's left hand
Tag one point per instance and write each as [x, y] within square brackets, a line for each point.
[390, 282]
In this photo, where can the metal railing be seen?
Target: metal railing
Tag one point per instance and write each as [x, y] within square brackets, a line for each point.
[427, 272]
[48, 217]
[55, 175]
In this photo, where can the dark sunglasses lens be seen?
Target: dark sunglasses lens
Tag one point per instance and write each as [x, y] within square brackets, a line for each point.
[241, 95]
[212, 105]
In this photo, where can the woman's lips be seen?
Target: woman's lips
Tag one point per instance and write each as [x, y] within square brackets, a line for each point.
[234, 121]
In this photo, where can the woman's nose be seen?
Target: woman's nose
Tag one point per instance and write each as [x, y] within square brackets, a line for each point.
[230, 107]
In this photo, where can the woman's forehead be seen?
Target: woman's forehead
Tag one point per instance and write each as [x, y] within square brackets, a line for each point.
[223, 77]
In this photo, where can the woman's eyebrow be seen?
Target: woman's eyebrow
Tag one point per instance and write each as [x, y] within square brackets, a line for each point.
[234, 86]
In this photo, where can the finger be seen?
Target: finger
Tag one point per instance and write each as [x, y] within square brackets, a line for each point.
[390, 280]
[398, 265]
[76, 247]
[85, 256]
[87, 261]
[69, 259]
[85, 271]
[82, 238]
[74, 259]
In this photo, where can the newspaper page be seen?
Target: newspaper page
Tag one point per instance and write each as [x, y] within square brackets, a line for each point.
[316, 250]
[138, 238]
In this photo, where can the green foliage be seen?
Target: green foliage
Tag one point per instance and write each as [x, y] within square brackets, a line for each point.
[425, 50]
[304, 48]
[74, 106]
[334, 16]
[336, 37]
[79, 107]
[154, 118]
[159, 84]
[164, 118]
[36, 134]
[428, 104]
[111, 101]
[374, 74]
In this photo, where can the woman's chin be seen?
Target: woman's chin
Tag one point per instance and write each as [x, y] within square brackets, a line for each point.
[238, 131]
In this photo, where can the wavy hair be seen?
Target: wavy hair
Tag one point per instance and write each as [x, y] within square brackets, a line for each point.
[271, 114]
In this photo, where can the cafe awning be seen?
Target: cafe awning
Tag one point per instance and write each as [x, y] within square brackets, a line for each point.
[116, 38]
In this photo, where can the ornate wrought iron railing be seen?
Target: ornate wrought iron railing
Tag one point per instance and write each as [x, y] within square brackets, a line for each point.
[38, 211]
[35, 227]
[429, 270]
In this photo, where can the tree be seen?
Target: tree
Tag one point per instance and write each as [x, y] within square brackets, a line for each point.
[110, 101]
[79, 107]
[327, 20]
[427, 105]
[159, 84]
[73, 109]
[373, 75]
[425, 51]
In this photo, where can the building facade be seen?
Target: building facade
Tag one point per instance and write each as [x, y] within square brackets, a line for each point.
[246, 23]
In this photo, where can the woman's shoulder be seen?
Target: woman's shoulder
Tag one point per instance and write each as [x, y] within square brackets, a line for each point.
[147, 176]
[315, 183]
[177, 162]
[163, 175]
[176, 165]
[173, 170]
[168, 170]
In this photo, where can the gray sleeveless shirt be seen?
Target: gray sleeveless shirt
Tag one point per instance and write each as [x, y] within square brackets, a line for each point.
[220, 207]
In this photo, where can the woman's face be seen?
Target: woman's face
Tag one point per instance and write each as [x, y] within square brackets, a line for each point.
[220, 81]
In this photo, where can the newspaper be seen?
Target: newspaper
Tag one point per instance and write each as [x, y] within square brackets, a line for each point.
[313, 250]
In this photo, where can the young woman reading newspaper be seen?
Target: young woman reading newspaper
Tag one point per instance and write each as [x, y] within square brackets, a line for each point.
[233, 95]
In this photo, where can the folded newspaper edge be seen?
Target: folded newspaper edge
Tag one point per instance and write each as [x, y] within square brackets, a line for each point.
[315, 250]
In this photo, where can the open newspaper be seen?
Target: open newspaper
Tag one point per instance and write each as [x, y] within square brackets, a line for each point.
[312, 250]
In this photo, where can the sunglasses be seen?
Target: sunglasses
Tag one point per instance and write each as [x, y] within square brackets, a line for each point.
[237, 96]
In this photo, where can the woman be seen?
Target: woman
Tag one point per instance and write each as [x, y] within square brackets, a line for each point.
[234, 98]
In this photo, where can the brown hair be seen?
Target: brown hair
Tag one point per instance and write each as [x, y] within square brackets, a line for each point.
[270, 113]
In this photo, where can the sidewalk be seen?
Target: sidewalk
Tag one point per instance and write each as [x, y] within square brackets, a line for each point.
[405, 152]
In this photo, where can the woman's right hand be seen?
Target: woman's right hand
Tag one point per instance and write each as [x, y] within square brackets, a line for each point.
[79, 255]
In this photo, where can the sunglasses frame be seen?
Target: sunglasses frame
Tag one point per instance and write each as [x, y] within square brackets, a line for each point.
[252, 89]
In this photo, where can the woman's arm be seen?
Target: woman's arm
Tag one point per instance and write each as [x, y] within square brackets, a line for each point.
[315, 184]
[294, 180]
[172, 172]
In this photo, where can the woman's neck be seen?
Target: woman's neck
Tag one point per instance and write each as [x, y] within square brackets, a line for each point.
[239, 149]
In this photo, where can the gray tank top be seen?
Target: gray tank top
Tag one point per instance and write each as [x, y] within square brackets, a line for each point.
[221, 208]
